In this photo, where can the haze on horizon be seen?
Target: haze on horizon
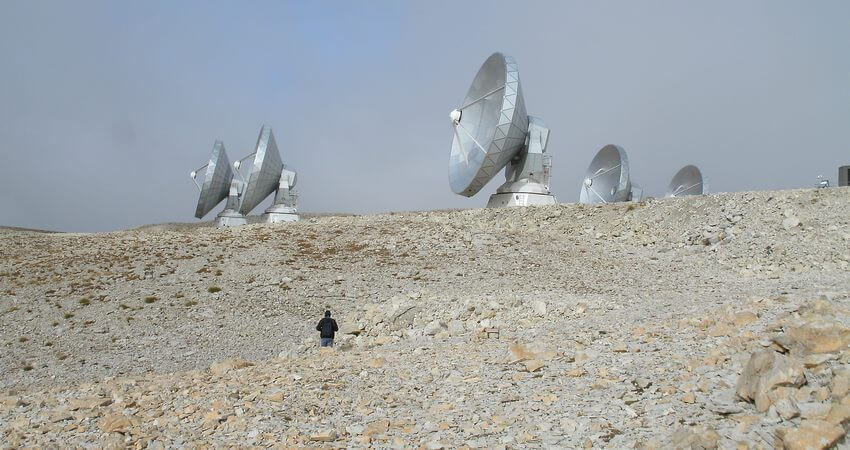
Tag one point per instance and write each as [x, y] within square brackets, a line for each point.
[105, 106]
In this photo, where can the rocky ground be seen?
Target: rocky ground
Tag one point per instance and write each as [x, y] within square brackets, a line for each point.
[715, 321]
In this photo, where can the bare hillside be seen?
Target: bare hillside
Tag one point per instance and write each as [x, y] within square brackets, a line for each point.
[617, 325]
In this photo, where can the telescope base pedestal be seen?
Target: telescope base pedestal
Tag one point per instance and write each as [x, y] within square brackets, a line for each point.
[230, 218]
[280, 213]
[280, 217]
[511, 199]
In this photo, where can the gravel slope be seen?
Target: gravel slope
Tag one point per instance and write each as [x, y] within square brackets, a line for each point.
[605, 298]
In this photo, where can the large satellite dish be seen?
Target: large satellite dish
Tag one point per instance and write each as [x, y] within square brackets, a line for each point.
[687, 181]
[492, 131]
[268, 174]
[218, 184]
[607, 178]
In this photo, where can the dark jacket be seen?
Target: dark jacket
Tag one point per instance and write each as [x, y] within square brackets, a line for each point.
[327, 327]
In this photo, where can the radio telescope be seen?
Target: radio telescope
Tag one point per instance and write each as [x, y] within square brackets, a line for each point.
[607, 178]
[268, 174]
[219, 184]
[492, 131]
[687, 181]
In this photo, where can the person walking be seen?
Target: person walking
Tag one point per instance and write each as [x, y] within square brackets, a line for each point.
[327, 327]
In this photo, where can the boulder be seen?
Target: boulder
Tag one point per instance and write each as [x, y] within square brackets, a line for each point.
[698, 437]
[520, 352]
[89, 402]
[576, 372]
[810, 435]
[353, 329]
[765, 371]
[9, 402]
[533, 365]
[456, 327]
[814, 410]
[324, 436]
[376, 363]
[539, 307]
[433, 327]
[60, 415]
[276, 397]
[404, 317]
[221, 368]
[839, 386]
[839, 415]
[115, 423]
[787, 408]
[818, 335]
[211, 420]
[724, 402]
[790, 222]
[743, 318]
[377, 427]
[382, 340]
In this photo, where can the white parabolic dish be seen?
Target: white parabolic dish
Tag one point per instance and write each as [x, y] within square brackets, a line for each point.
[490, 128]
[217, 178]
[264, 177]
[607, 177]
[687, 181]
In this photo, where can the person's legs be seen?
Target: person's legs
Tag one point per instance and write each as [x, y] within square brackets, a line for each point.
[326, 342]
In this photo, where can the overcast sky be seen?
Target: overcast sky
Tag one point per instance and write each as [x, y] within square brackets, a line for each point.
[106, 106]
